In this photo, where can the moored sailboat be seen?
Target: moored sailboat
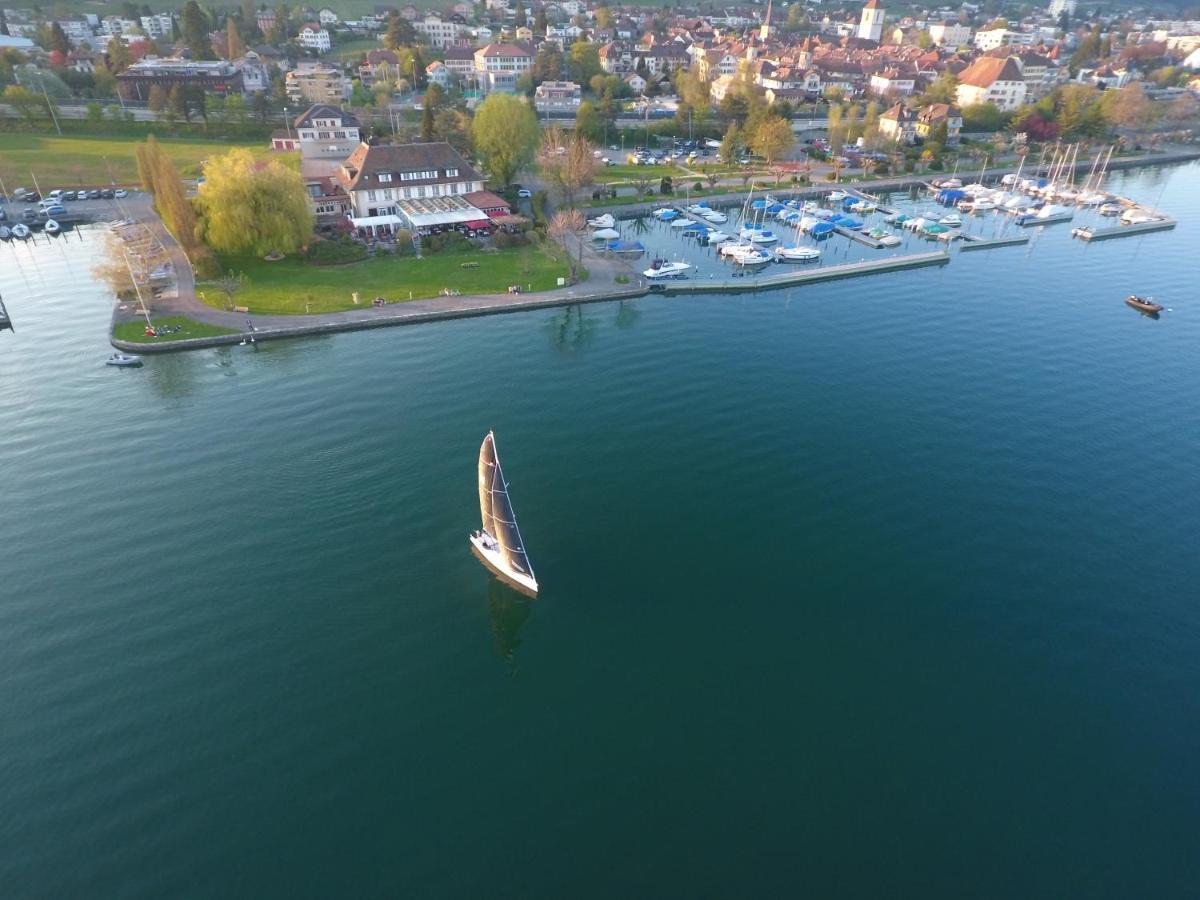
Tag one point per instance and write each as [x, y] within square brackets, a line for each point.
[498, 542]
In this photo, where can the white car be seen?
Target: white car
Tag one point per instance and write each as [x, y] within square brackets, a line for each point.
[120, 192]
[525, 193]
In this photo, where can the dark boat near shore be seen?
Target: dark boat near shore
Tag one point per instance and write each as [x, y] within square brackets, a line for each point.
[1144, 304]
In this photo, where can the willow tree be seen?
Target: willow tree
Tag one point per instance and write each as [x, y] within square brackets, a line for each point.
[248, 208]
[506, 135]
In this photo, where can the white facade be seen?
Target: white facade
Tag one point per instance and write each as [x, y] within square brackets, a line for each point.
[438, 31]
[327, 16]
[160, 25]
[314, 39]
[870, 25]
[950, 34]
[1058, 7]
[1002, 37]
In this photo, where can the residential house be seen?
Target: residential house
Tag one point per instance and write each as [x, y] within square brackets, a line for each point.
[461, 62]
[437, 73]
[317, 83]
[892, 82]
[899, 124]
[325, 132]
[256, 77]
[935, 114]
[992, 79]
[327, 16]
[440, 31]
[636, 82]
[158, 25]
[616, 58]
[379, 65]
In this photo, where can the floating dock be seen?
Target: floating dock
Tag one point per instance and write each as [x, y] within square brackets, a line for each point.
[811, 276]
[1033, 220]
[1116, 231]
[976, 243]
[858, 236]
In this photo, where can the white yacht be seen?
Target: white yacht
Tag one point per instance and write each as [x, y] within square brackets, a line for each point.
[661, 268]
[498, 542]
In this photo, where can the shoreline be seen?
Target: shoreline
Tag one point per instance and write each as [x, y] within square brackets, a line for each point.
[416, 312]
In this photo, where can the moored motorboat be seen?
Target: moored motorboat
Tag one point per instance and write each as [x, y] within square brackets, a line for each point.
[797, 254]
[605, 234]
[750, 256]
[715, 237]
[5, 233]
[498, 542]
[662, 268]
[21, 231]
[954, 220]
[1144, 304]
[123, 360]
[604, 221]
[1109, 209]
[717, 218]
[52, 227]
[835, 196]
[758, 235]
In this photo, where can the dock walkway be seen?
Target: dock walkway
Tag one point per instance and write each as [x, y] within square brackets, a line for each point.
[1115, 231]
[810, 276]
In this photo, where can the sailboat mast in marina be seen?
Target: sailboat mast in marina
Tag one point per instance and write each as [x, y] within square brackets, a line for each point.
[498, 543]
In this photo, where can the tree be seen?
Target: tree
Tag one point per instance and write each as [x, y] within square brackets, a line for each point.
[23, 100]
[730, 144]
[399, 32]
[156, 102]
[428, 127]
[772, 137]
[248, 209]
[58, 40]
[194, 26]
[833, 127]
[161, 180]
[1128, 107]
[982, 117]
[565, 223]
[583, 61]
[587, 122]
[539, 21]
[566, 162]
[119, 56]
[454, 127]
[505, 132]
[519, 18]
[229, 284]
[235, 48]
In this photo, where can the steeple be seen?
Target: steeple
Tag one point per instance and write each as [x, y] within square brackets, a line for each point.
[765, 31]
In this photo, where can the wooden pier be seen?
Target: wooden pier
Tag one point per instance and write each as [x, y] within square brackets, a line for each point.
[810, 276]
[1116, 231]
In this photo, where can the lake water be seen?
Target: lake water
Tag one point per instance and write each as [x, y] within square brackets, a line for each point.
[873, 588]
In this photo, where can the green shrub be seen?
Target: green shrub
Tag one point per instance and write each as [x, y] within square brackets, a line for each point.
[328, 252]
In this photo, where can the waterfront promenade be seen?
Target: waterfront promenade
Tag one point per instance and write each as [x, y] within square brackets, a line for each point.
[609, 278]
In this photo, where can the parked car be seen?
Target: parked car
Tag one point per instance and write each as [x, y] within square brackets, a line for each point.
[525, 193]
[108, 193]
[120, 192]
[94, 194]
[68, 195]
[54, 209]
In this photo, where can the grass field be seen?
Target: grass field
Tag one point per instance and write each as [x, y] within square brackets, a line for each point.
[70, 162]
[348, 51]
[135, 332]
[292, 286]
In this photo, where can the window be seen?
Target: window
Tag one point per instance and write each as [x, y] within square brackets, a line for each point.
[452, 173]
[385, 176]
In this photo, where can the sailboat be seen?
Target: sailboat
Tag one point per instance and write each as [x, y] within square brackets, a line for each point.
[498, 543]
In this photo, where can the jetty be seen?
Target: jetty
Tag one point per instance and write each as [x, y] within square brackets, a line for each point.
[810, 276]
[5, 320]
[1087, 233]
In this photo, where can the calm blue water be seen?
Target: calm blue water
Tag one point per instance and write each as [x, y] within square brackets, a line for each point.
[882, 587]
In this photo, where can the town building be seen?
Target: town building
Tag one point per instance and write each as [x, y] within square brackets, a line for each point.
[158, 25]
[213, 77]
[870, 23]
[314, 37]
[256, 77]
[992, 79]
[317, 83]
[421, 187]
[440, 31]
[935, 114]
[899, 124]
[950, 33]
[557, 97]
[498, 66]
[325, 132]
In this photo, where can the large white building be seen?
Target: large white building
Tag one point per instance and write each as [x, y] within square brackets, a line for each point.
[439, 31]
[313, 37]
[498, 66]
[159, 25]
[950, 33]
[870, 24]
[1058, 7]
[992, 79]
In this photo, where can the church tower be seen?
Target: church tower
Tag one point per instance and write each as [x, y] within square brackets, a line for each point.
[870, 26]
[765, 31]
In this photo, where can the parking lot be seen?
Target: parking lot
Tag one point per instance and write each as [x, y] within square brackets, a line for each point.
[130, 205]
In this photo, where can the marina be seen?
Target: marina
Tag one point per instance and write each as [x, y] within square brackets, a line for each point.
[1089, 233]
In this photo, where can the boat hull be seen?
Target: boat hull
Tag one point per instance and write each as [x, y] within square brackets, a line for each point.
[492, 562]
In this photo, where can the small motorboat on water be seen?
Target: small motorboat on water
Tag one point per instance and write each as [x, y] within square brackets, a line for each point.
[715, 237]
[1109, 209]
[52, 227]
[123, 360]
[662, 268]
[835, 196]
[21, 231]
[758, 235]
[885, 237]
[1144, 304]
[717, 218]
[604, 221]
[5, 233]
[750, 256]
[954, 220]
[797, 254]
[605, 234]
[863, 206]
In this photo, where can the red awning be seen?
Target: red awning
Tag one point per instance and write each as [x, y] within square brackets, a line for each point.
[479, 224]
[497, 213]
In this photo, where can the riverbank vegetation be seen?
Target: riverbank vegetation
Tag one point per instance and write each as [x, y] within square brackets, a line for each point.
[293, 286]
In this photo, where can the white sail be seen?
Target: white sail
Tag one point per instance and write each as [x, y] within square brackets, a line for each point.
[499, 544]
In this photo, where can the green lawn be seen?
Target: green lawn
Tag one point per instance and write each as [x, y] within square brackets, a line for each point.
[292, 286]
[347, 51]
[68, 162]
[136, 331]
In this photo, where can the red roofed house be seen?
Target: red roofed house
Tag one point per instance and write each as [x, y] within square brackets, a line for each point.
[992, 80]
